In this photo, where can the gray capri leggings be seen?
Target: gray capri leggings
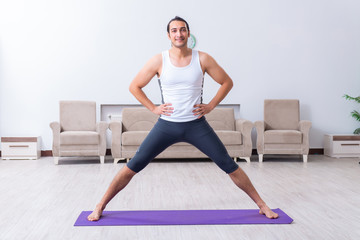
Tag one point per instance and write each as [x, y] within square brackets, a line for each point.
[197, 132]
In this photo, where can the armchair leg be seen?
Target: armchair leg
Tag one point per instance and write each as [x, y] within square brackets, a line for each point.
[247, 159]
[305, 158]
[56, 160]
[235, 159]
[116, 160]
[102, 159]
[261, 156]
[127, 160]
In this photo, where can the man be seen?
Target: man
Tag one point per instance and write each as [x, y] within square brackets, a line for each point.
[180, 71]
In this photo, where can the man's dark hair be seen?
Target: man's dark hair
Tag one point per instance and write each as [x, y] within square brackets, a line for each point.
[177, 18]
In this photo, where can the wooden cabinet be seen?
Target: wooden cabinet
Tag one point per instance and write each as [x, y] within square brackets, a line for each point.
[342, 145]
[20, 148]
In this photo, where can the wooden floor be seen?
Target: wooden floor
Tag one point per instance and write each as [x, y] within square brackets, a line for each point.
[40, 200]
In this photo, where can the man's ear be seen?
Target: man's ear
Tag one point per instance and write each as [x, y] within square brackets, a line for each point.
[168, 34]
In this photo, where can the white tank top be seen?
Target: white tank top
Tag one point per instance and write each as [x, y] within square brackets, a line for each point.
[182, 87]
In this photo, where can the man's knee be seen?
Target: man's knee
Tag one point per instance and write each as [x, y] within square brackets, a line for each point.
[226, 163]
[135, 167]
[128, 171]
[233, 172]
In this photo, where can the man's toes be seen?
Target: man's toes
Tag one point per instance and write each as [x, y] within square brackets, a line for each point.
[274, 215]
[92, 218]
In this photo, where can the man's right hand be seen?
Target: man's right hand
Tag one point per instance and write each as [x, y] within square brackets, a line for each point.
[163, 109]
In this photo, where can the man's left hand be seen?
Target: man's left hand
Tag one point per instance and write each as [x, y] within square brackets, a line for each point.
[202, 109]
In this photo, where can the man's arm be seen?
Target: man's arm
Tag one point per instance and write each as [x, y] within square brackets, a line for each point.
[216, 72]
[151, 68]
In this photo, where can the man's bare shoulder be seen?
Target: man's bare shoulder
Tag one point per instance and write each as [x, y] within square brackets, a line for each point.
[203, 55]
[154, 63]
[206, 59]
[157, 59]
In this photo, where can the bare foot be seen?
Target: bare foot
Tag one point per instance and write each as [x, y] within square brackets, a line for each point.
[96, 214]
[265, 210]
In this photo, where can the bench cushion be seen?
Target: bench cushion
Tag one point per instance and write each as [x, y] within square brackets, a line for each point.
[133, 138]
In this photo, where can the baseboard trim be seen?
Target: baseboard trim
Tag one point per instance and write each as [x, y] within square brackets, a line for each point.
[46, 153]
[312, 151]
[108, 152]
[316, 151]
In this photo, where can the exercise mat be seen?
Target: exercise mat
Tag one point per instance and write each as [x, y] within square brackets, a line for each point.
[182, 217]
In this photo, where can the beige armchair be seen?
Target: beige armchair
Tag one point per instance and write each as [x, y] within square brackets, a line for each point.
[77, 133]
[282, 132]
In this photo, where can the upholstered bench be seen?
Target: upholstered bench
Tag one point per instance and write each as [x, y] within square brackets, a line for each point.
[130, 132]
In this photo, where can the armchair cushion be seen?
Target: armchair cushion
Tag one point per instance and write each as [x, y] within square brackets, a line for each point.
[78, 115]
[79, 138]
[281, 114]
[282, 136]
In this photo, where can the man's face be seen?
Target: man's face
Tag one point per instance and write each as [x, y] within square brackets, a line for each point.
[179, 34]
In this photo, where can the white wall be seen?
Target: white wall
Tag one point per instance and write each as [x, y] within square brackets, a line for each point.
[91, 50]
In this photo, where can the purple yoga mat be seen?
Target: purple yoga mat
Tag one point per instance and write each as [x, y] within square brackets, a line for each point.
[182, 217]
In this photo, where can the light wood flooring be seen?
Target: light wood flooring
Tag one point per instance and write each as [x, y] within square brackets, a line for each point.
[40, 200]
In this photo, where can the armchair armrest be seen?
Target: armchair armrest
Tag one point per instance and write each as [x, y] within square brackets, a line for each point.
[55, 127]
[101, 129]
[260, 128]
[304, 128]
[116, 131]
[245, 127]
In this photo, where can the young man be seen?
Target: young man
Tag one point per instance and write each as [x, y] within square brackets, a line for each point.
[181, 71]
